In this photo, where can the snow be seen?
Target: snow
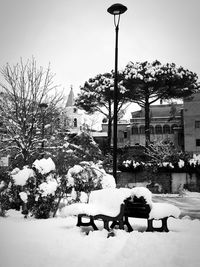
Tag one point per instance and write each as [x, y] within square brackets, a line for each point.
[181, 163]
[108, 181]
[75, 170]
[48, 188]
[83, 197]
[23, 196]
[21, 176]
[195, 160]
[58, 242]
[192, 194]
[108, 201]
[162, 210]
[44, 165]
[105, 201]
[142, 192]
[2, 184]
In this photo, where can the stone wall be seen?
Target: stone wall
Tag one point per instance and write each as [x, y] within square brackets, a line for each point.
[160, 182]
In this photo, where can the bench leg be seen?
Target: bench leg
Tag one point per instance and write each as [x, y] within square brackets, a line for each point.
[113, 224]
[90, 223]
[163, 228]
[120, 223]
[106, 225]
[79, 222]
[94, 225]
[126, 222]
[150, 227]
[164, 225]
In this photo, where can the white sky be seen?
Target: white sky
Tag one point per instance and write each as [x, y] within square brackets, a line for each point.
[78, 37]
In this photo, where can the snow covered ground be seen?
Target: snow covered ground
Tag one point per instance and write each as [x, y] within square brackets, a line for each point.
[188, 202]
[58, 242]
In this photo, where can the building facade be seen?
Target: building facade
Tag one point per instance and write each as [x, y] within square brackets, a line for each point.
[192, 123]
[166, 123]
[71, 117]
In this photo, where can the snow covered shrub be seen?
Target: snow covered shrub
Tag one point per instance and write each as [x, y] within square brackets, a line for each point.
[4, 192]
[9, 193]
[37, 187]
[85, 177]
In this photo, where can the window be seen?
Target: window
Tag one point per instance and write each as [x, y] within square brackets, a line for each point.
[197, 142]
[166, 129]
[173, 127]
[142, 129]
[120, 136]
[125, 135]
[158, 129]
[197, 124]
[151, 128]
[134, 130]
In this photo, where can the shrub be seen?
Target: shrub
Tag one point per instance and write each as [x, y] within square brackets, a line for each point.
[37, 189]
[9, 197]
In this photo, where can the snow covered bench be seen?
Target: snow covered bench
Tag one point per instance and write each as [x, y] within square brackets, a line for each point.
[117, 205]
[140, 205]
[104, 204]
[153, 211]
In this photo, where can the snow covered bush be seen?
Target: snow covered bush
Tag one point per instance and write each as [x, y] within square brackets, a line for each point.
[86, 177]
[176, 163]
[10, 191]
[36, 187]
[131, 165]
[6, 196]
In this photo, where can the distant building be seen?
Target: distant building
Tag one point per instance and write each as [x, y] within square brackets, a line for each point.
[192, 123]
[71, 117]
[166, 123]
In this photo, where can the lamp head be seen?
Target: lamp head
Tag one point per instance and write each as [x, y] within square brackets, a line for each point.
[117, 9]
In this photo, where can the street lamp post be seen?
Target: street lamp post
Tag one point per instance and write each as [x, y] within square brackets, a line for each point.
[116, 10]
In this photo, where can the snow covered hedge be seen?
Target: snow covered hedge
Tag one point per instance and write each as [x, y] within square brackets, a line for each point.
[39, 189]
[187, 164]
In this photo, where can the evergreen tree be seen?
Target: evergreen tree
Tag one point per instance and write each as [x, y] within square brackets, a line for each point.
[97, 96]
[149, 82]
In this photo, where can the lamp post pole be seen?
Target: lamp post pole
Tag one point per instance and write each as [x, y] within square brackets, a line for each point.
[116, 10]
[115, 106]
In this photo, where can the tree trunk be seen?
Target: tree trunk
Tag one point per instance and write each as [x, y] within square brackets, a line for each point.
[25, 154]
[147, 123]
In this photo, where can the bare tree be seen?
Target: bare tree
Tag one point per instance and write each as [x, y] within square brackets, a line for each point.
[25, 88]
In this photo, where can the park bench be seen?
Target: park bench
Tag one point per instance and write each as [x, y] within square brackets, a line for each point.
[116, 206]
[105, 204]
[139, 208]
[105, 218]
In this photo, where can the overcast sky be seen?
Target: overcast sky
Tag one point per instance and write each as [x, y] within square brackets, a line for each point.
[78, 37]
